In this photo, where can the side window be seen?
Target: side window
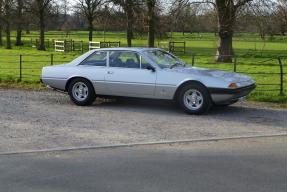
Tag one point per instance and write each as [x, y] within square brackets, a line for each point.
[127, 59]
[97, 59]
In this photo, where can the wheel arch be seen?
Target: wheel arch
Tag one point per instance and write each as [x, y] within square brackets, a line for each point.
[76, 77]
[188, 82]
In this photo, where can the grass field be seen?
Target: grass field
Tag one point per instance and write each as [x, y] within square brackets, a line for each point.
[249, 48]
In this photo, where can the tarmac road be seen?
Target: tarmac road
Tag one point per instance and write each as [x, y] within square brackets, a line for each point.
[249, 165]
[31, 120]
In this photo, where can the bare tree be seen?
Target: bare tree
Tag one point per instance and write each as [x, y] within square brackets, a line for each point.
[67, 27]
[90, 9]
[281, 15]
[65, 8]
[19, 21]
[226, 12]
[1, 21]
[151, 6]
[226, 15]
[261, 16]
[174, 13]
[104, 18]
[183, 16]
[128, 7]
[41, 9]
[7, 10]
[27, 18]
[1, 39]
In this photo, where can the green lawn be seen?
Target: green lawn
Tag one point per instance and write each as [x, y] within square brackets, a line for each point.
[249, 48]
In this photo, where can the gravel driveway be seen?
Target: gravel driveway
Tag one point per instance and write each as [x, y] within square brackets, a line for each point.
[42, 120]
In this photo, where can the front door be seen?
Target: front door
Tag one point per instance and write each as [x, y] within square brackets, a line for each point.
[126, 76]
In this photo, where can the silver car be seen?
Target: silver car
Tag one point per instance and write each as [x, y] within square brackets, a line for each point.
[146, 73]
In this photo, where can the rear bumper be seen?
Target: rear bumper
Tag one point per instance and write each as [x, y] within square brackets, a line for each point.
[226, 96]
[55, 83]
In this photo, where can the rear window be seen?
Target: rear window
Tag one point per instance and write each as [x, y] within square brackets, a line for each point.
[99, 58]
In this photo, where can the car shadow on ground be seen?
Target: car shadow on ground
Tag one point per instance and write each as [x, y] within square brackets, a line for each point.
[237, 112]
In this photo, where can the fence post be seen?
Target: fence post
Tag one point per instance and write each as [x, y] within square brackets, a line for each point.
[281, 77]
[52, 59]
[193, 60]
[20, 69]
[235, 63]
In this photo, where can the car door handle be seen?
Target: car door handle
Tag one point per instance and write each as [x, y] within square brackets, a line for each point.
[110, 72]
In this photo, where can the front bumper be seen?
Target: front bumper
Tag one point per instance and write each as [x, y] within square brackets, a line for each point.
[226, 96]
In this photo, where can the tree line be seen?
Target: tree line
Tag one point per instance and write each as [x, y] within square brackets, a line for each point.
[140, 17]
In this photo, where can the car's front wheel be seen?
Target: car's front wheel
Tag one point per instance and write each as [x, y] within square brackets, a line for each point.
[81, 92]
[194, 99]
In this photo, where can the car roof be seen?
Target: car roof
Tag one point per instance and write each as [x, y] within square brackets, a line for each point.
[138, 49]
[84, 56]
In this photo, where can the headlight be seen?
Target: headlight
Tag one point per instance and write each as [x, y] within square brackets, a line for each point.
[233, 85]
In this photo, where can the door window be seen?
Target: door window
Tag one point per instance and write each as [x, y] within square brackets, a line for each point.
[126, 59]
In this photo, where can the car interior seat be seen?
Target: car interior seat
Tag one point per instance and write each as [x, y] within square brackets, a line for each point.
[116, 63]
[130, 63]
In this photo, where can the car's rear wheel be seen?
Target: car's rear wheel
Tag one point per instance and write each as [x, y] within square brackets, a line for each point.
[194, 99]
[81, 92]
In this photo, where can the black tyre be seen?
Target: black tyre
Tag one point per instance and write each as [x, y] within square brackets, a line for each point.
[81, 92]
[194, 99]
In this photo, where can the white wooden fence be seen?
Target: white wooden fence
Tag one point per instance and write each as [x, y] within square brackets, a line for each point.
[94, 45]
[68, 45]
[103, 44]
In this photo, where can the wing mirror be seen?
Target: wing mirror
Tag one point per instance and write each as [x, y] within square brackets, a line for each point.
[151, 68]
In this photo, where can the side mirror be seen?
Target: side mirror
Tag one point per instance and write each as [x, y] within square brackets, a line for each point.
[151, 68]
